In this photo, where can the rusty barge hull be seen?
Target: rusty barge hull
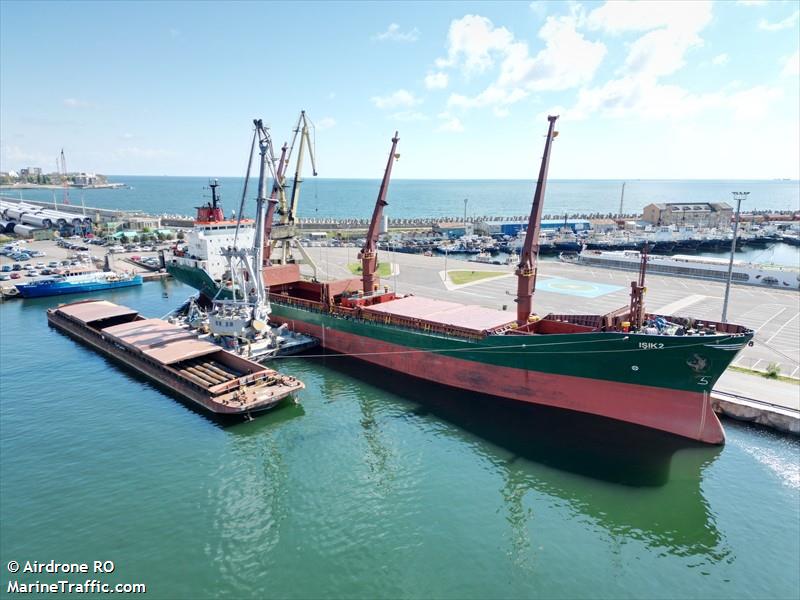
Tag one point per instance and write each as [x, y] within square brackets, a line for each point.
[199, 372]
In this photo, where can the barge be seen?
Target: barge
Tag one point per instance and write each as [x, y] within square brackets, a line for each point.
[198, 371]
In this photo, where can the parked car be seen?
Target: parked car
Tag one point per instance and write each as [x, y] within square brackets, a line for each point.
[5, 268]
[15, 275]
[52, 264]
[5, 277]
[46, 271]
[64, 262]
[40, 265]
[38, 253]
[33, 273]
[16, 267]
[116, 248]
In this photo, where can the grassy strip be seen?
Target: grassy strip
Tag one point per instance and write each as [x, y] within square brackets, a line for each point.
[766, 375]
[462, 277]
[384, 269]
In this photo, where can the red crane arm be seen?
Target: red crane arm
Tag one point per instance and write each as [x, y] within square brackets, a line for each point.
[369, 254]
[526, 270]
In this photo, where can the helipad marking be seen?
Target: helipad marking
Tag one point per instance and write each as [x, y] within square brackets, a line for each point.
[573, 287]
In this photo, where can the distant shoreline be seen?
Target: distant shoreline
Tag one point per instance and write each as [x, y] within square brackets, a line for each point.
[43, 186]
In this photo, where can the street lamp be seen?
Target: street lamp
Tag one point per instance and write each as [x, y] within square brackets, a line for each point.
[738, 196]
[466, 200]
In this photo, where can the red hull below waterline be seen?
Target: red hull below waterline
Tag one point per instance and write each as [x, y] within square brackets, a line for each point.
[687, 414]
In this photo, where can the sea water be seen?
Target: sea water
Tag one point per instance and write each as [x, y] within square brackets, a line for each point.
[375, 486]
[355, 198]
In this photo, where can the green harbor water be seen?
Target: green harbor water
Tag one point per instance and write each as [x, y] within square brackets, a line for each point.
[376, 486]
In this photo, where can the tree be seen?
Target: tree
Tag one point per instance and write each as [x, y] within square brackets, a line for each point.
[180, 235]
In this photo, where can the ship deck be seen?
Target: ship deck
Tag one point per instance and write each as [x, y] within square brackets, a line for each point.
[443, 313]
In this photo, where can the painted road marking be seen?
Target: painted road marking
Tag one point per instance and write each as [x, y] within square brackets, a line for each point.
[777, 314]
[781, 327]
[674, 307]
[573, 287]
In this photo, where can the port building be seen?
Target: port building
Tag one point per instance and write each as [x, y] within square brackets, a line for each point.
[701, 214]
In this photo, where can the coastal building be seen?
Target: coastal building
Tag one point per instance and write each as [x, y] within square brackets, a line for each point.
[453, 230]
[30, 172]
[83, 179]
[700, 214]
[515, 227]
[141, 223]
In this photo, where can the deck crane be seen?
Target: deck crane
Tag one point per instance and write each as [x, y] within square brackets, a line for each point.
[526, 270]
[638, 289]
[369, 253]
[284, 234]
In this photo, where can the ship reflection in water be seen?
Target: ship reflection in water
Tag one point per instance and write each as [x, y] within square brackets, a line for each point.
[633, 482]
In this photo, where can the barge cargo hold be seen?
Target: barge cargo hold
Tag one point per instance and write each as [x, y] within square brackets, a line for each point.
[201, 372]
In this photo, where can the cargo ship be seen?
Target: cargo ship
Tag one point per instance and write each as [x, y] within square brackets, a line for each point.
[201, 264]
[652, 370]
[696, 267]
[96, 281]
[196, 370]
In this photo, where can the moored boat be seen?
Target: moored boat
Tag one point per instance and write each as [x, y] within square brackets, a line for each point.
[652, 370]
[695, 267]
[95, 281]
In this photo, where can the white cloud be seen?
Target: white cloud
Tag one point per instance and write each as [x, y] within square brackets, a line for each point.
[76, 103]
[672, 29]
[15, 155]
[436, 81]
[398, 99]
[669, 31]
[325, 123]
[786, 23]
[393, 34]
[567, 59]
[409, 115]
[450, 124]
[491, 96]
[720, 60]
[472, 40]
[646, 98]
[791, 65]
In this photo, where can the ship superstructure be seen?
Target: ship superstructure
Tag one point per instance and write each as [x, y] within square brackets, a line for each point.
[202, 265]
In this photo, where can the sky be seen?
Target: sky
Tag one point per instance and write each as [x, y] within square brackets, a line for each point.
[647, 90]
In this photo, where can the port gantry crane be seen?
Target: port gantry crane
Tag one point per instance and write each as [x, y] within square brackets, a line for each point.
[526, 270]
[283, 235]
[369, 253]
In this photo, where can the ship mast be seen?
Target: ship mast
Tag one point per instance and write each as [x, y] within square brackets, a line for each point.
[369, 254]
[638, 289]
[526, 270]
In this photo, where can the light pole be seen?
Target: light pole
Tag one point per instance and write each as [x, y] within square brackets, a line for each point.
[738, 196]
[466, 200]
